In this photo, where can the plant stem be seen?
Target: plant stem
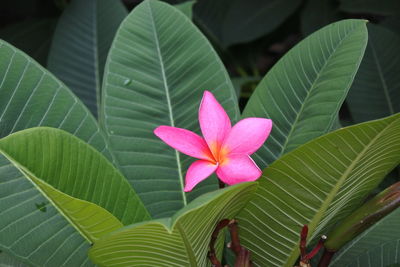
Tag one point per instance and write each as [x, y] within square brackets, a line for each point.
[211, 254]
[326, 258]
[242, 254]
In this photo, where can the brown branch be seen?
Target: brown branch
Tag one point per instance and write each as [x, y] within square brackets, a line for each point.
[242, 254]
[304, 256]
[211, 254]
[326, 258]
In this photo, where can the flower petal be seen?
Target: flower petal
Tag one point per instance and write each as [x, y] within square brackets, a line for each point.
[197, 172]
[214, 122]
[238, 168]
[247, 136]
[184, 141]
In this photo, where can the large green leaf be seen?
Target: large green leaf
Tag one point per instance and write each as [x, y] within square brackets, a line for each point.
[317, 184]
[80, 46]
[57, 161]
[7, 260]
[158, 67]
[91, 220]
[186, 8]
[375, 92]
[30, 96]
[230, 22]
[54, 158]
[376, 247]
[182, 240]
[39, 32]
[303, 92]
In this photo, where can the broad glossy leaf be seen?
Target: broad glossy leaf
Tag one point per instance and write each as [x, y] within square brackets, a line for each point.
[303, 92]
[383, 7]
[39, 32]
[56, 160]
[158, 67]
[7, 260]
[375, 92]
[30, 96]
[376, 247]
[186, 8]
[317, 184]
[317, 14]
[91, 220]
[230, 22]
[182, 240]
[80, 46]
[363, 217]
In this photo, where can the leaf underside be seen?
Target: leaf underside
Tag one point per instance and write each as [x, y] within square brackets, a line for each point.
[377, 246]
[80, 45]
[304, 91]
[182, 240]
[30, 96]
[317, 184]
[375, 92]
[158, 67]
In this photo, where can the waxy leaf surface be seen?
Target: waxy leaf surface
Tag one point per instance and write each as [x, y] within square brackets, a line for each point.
[182, 240]
[317, 184]
[304, 91]
[80, 45]
[30, 96]
[158, 67]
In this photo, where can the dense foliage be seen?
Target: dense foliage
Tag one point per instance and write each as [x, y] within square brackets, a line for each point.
[84, 180]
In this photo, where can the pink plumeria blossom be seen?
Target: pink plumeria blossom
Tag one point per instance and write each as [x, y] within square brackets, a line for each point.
[224, 149]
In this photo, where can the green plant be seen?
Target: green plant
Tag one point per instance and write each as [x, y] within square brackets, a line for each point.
[84, 181]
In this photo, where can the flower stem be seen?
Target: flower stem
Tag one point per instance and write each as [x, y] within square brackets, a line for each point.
[326, 258]
[242, 254]
[211, 254]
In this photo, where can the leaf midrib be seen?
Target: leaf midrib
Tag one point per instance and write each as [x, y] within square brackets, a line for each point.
[325, 205]
[309, 93]
[170, 113]
[30, 176]
[96, 56]
[190, 254]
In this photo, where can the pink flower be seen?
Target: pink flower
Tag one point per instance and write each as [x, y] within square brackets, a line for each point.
[224, 149]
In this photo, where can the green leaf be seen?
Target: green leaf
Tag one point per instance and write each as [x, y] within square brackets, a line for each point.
[80, 46]
[55, 160]
[182, 240]
[186, 8]
[39, 32]
[376, 247]
[30, 96]
[375, 92]
[9, 261]
[303, 92]
[383, 7]
[317, 184]
[90, 220]
[317, 14]
[158, 67]
[363, 217]
[231, 22]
